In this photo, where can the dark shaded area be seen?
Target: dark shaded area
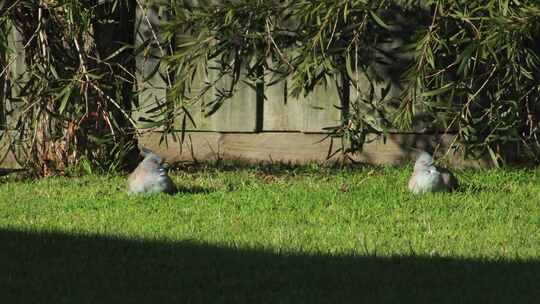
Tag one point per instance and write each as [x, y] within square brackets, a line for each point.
[60, 268]
[3, 80]
[112, 38]
[264, 168]
[192, 190]
[476, 188]
[6, 171]
[437, 143]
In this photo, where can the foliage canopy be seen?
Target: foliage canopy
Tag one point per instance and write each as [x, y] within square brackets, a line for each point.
[468, 68]
[472, 66]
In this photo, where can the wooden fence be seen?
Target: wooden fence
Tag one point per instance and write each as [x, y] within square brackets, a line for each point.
[265, 123]
[258, 124]
[251, 109]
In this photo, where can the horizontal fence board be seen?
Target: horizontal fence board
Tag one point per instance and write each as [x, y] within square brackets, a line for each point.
[204, 146]
[302, 148]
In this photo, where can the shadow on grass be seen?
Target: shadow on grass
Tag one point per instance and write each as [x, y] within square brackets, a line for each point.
[60, 268]
[475, 188]
[192, 190]
[267, 167]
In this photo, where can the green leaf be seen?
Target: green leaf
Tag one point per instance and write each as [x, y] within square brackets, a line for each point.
[465, 57]
[447, 87]
[348, 67]
[379, 20]
[66, 94]
[118, 52]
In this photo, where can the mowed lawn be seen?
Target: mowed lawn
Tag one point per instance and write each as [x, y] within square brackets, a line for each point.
[289, 235]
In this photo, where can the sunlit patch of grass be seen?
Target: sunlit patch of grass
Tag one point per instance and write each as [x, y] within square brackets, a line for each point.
[311, 210]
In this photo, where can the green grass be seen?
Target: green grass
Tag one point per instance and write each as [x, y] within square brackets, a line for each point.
[300, 235]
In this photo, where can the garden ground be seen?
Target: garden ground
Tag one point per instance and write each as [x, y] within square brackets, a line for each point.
[282, 235]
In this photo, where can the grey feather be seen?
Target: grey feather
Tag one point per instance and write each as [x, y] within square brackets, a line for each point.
[150, 176]
[427, 177]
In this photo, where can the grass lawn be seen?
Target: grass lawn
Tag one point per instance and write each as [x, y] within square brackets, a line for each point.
[300, 235]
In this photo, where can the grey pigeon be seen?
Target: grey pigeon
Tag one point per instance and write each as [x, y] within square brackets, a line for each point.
[427, 177]
[150, 176]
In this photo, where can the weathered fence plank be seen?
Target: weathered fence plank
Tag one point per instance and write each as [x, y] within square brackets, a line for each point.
[152, 78]
[320, 108]
[238, 113]
[281, 112]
